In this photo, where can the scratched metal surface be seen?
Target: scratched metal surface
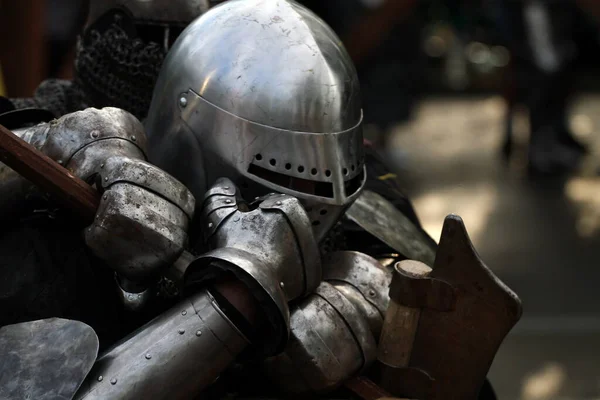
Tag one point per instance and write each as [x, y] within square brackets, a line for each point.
[46, 359]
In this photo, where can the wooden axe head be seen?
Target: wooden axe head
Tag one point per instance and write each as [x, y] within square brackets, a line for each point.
[456, 346]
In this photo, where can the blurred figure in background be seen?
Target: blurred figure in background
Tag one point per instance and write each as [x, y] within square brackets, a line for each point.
[541, 37]
[118, 54]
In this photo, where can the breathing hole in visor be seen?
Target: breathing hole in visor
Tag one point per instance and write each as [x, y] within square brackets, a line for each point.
[321, 189]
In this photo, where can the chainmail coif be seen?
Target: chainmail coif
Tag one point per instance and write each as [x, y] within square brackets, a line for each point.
[113, 67]
[117, 70]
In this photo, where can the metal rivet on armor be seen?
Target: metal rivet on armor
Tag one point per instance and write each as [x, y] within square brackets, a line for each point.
[226, 187]
[100, 378]
[113, 381]
[198, 333]
[281, 285]
[101, 165]
[95, 134]
[148, 356]
[372, 293]
[181, 331]
[105, 178]
[184, 312]
[60, 162]
[133, 138]
[105, 197]
[183, 102]
[228, 201]
[210, 225]
[278, 203]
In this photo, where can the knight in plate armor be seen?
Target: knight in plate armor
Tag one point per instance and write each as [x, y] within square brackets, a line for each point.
[118, 56]
[217, 236]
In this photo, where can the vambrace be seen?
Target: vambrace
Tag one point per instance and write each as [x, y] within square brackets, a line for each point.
[174, 356]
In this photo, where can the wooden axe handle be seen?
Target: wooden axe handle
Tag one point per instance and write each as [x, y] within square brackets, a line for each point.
[366, 388]
[48, 175]
[400, 322]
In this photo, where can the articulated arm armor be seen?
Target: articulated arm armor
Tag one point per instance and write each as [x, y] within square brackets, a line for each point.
[174, 356]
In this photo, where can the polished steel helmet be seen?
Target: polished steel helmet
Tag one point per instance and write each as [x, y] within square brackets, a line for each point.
[264, 93]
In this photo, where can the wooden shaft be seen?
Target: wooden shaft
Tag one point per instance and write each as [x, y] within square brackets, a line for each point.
[365, 388]
[48, 175]
[400, 323]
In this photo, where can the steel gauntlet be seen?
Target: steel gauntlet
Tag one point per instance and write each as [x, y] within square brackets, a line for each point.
[141, 225]
[334, 330]
[330, 342]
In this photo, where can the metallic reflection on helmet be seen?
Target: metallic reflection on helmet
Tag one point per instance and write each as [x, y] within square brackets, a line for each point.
[262, 92]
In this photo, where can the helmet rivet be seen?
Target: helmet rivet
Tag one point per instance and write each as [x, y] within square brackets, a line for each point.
[95, 134]
[101, 165]
[106, 179]
[105, 197]
[371, 293]
[226, 187]
[279, 203]
[183, 102]
[113, 381]
[148, 356]
[181, 331]
[198, 333]
[184, 312]
[60, 162]
[210, 225]
[228, 201]
[100, 378]
[133, 139]
[281, 285]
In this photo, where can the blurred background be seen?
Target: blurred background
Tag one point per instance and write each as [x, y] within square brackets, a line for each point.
[489, 109]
